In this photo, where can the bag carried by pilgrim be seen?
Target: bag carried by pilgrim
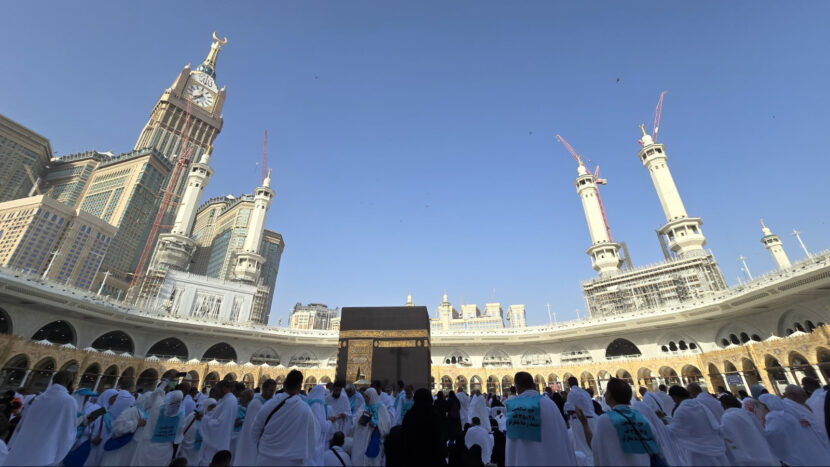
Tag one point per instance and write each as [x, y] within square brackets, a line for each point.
[373, 449]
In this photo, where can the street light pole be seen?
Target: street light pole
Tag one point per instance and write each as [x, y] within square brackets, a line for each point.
[797, 235]
[103, 282]
[742, 259]
[51, 261]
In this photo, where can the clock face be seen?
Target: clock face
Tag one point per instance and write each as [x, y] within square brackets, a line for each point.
[199, 95]
[205, 79]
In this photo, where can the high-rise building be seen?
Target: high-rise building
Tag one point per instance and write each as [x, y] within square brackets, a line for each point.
[313, 316]
[271, 249]
[68, 177]
[43, 236]
[471, 316]
[164, 131]
[123, 192]
[20, 148]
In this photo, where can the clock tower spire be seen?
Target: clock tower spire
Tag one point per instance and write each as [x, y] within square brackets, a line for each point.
[163, 131]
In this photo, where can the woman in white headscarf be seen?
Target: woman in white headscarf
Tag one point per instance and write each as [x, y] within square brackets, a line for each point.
[122, 402]
[374, 416]
[790, 441]
[190, 440]
[317, 401]
[120, 447]
[478, 408]
[100, 428]
[163, 428]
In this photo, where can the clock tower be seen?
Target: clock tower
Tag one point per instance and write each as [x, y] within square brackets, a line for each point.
[163, 132]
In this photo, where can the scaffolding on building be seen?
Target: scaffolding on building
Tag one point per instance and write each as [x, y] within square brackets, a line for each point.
[673, 282]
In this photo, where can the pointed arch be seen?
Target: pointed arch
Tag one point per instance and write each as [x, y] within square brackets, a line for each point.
[168, 348]
[117, 341]
[622, 348]
[57, 332]
[221, 352]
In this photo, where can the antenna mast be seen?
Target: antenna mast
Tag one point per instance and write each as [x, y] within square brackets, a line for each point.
[265, 157]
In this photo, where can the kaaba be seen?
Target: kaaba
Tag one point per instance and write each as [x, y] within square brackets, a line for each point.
[389, 344]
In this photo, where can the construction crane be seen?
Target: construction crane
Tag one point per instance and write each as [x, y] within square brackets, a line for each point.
[172, 187]
[597, 180]
[658, 111]
[265, 158]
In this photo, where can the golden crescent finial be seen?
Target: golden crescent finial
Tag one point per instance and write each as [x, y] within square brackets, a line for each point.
[643, 128]
[220, 41]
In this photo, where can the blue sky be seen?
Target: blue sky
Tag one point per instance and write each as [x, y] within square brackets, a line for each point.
[413, 142]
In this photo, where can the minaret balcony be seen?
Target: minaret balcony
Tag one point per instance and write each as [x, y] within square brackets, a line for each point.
[248, 266]
[174, 251]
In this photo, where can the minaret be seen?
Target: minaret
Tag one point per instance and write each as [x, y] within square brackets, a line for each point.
[198, 177]
[409, 300]
[773, 244]
[683, 232]
[175, 250]
[249, 262]
[604, 253]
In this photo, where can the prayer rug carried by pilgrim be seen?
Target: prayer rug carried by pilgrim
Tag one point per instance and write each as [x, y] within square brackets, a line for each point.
[389, 344]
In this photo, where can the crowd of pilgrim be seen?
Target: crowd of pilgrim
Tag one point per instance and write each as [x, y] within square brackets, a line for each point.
[337, 425]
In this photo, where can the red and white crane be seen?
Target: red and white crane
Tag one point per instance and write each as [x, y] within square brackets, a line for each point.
[597, 180]
[166, 201]
[658, 112]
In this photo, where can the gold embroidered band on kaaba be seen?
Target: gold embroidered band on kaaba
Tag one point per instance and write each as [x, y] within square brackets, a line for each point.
[391, 334]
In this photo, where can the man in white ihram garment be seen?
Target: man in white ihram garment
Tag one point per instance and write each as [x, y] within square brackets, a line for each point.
[478, 409]
[655, 401]
[578, 397]
[478, 435]
[464, 400]
[190, 440]
[662, 394]
[163, 429]
[245, 452]
[536, 432]
[317, 401]
[340, 409]
[696, 430]
[46, 430]
[374, 417]
[622, 435]
[216, 428]
[668, 448]
[697, 393]
[744, 435]
[284, 429]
